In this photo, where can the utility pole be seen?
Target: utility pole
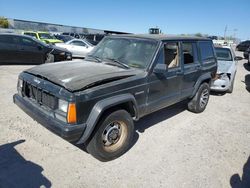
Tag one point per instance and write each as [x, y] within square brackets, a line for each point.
[225, 31]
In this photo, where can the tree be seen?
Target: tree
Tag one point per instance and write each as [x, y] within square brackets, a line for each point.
[4, 23]
[198, 35]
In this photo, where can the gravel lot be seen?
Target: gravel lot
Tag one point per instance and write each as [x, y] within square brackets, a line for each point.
[172, 147]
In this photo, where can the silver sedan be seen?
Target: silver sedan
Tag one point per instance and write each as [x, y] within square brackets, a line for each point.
[227, 67]
[78, 47]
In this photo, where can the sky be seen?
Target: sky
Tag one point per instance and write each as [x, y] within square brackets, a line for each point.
[137, 16]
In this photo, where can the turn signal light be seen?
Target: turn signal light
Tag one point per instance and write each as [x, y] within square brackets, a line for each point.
[71, 117]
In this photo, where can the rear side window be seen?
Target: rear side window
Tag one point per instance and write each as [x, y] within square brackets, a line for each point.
[206, 50]
[6, 39]
[189, 50]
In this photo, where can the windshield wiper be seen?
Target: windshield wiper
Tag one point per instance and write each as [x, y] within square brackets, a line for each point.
[118, 62]
[95, 58]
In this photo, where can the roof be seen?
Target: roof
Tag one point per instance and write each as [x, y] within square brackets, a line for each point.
[161, 37]
[14, 34]
[35, 32]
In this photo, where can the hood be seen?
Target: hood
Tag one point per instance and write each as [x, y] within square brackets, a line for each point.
[224, 66]
[80, 74]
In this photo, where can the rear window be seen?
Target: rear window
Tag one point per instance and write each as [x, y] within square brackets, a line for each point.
[223, 54]
[206, 50]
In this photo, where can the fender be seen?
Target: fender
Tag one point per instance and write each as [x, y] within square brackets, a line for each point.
[199, 81]
[100, 107]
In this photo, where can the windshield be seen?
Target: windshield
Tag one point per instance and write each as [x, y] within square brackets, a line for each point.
[132, 52]
[46, 36]
[223, 54]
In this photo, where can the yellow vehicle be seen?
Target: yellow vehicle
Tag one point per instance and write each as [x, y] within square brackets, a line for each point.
[43, 36]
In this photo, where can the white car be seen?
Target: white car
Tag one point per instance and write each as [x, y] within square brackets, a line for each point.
[226, 71]
[78, 47]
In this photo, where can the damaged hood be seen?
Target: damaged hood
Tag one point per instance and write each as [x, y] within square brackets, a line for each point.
[225, 66]
[80, 74]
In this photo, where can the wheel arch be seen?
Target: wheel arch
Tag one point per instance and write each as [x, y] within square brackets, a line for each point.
[124, 101]
[205, 78]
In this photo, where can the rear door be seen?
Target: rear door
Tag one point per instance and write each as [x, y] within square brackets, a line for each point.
[192, 67]
[8, 49]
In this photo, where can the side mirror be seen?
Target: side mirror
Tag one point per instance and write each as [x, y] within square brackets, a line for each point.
[160, 69]
[238, 58]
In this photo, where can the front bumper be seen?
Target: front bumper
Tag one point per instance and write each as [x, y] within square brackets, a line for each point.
[71, 133]
[220, 85]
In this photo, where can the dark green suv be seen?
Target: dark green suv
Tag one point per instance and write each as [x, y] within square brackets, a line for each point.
[93, 103]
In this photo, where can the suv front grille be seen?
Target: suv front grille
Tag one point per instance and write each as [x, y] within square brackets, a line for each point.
[40, 96]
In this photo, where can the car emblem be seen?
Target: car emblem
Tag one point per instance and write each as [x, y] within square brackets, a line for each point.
[37, 81]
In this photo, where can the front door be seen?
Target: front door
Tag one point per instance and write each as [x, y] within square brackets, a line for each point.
[165, 88]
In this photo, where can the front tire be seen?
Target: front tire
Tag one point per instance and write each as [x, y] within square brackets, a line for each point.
[113, 136]
[49, 58]
[199, 102]
[230, 90]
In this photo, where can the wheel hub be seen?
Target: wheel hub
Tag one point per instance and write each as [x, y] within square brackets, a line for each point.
[111, 134]
[204, 98]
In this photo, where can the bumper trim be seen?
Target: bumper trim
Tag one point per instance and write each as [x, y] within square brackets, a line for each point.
[71, 133]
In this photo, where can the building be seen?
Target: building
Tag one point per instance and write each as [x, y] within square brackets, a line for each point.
[24, 25]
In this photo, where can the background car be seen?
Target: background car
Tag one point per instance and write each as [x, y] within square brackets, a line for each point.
[75, 35]
[78, 47]
[94, 39]
[43, 36]
[22, 49]
[224, 79]
[64, 38]
[243, 46]
[246, 53]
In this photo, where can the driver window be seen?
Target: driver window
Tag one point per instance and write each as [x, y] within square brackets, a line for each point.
[171, 54]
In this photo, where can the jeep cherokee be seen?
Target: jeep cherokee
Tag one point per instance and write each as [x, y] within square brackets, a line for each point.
[93, 102]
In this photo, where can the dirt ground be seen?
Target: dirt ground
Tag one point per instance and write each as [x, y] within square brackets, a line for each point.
[172, 147]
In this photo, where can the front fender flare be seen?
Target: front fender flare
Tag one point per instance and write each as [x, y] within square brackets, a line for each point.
[100, 107]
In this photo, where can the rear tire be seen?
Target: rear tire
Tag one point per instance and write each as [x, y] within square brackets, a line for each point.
[199, 102]
[112, 137]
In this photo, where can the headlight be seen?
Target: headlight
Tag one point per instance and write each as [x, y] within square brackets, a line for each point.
[63, 105]
[20, 83]
[19, 86]
[62, 53]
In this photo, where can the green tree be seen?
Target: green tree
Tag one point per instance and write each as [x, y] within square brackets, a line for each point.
[4, 23]
[198, 35]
